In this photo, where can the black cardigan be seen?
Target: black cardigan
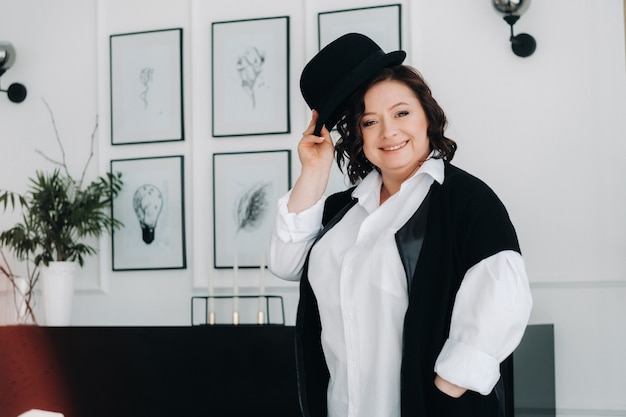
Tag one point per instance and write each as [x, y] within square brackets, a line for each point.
[466, 223]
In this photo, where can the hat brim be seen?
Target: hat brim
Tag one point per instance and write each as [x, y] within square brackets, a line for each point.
[332, 111]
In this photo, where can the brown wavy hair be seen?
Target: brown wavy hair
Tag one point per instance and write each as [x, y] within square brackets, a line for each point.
[349, 146]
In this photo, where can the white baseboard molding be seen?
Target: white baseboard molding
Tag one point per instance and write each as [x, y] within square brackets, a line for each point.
[575, 412]
[577, 284]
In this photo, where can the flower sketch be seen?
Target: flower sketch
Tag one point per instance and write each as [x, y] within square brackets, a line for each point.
[250, 69]
[145, 76]
[250, 77]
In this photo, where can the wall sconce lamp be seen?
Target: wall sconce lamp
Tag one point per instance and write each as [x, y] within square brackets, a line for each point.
[16, 91]
[522, 44]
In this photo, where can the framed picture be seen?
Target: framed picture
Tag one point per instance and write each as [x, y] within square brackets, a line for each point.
[246, 187]
[250, 69]
[146, 87]
[380, 23]
[151, 206]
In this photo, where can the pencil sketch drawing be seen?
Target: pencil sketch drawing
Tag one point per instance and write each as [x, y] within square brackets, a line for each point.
[147, 203]
[251, 208]
[146, 79]
[250, 69]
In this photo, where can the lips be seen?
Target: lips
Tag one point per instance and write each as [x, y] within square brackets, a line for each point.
[395, 147]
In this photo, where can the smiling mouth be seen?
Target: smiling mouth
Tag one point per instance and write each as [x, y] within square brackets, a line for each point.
[396, 147]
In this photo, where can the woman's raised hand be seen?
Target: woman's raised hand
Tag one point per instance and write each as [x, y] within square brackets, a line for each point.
[316, 152]
[316, 156]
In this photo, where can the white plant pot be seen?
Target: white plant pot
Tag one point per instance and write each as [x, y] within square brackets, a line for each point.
[58, 292]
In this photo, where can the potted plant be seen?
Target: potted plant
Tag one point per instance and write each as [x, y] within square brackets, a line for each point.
[59, 214]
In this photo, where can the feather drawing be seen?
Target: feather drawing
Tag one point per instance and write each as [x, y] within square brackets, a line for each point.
[251, 207]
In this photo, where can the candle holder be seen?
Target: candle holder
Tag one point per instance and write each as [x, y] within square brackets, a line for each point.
[257, 310]
[211, 318]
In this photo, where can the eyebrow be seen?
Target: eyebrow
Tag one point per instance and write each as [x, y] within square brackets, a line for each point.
[401, 103]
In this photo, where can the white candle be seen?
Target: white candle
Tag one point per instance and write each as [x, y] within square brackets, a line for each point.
[260, 315]
[235, 285]
[262, 276]
[210, 301]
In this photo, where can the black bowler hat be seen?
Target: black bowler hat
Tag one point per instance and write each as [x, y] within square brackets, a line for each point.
[338, 70]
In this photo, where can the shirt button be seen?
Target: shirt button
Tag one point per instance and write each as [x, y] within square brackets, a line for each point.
[353, 364]
[349, 315]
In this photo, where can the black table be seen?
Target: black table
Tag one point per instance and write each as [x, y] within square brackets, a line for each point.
[148, 371]
[211, 371]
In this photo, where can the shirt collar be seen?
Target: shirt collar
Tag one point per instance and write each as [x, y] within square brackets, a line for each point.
[433, 167]
[368, 190]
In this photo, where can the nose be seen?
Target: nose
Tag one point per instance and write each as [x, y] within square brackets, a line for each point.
[390, 130]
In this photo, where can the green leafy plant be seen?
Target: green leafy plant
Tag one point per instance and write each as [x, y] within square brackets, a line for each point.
[59, 214]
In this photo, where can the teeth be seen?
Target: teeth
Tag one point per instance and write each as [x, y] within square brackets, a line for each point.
[393, 148]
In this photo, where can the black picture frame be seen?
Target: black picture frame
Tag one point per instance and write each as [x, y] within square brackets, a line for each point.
[246, 186]
[383, 24]
[146, 83]
[250, 77]
[151, 206]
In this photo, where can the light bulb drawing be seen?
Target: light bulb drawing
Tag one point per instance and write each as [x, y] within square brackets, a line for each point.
[147, 203]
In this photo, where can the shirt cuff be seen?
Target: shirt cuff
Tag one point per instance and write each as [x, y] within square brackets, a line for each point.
[298, 227]
[467, 367]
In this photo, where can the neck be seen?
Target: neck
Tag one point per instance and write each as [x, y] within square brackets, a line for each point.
[388, 189]
[391, 184]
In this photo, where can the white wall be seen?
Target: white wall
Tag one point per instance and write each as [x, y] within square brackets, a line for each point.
[546, 132]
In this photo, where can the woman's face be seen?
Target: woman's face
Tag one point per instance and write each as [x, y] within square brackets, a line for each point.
[394, 129]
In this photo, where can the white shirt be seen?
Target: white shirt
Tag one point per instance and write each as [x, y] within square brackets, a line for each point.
[361, 289]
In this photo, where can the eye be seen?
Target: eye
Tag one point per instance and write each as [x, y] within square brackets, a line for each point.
[402, 113]
[368, 123]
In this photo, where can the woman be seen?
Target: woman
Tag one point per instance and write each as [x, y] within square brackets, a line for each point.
[413, 289]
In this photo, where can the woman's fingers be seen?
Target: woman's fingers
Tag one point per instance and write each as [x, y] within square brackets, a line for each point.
[311, 128]
[316, 156]
[315, 150]
[308, 136]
